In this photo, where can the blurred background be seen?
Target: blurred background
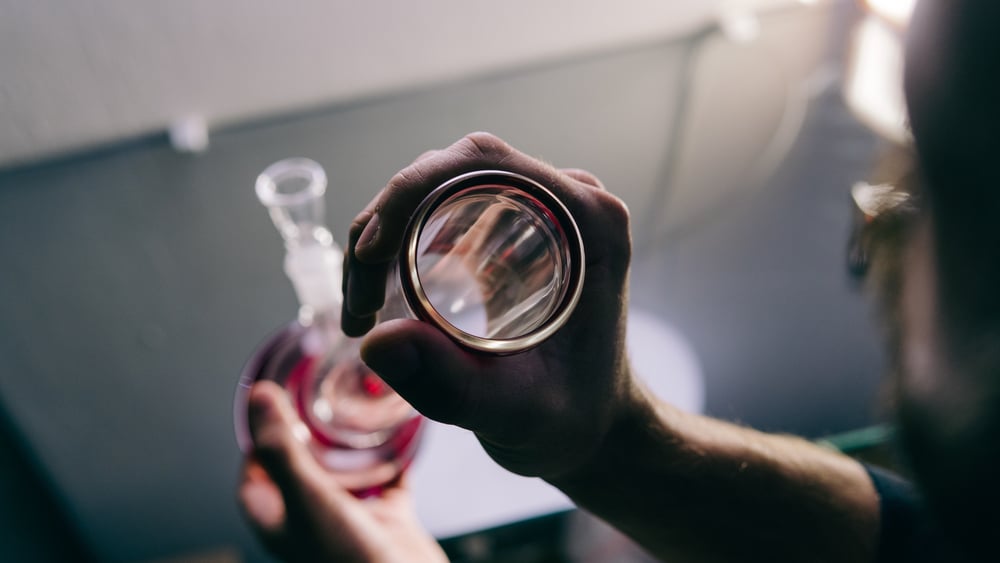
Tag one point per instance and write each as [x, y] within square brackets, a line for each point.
[138, 271]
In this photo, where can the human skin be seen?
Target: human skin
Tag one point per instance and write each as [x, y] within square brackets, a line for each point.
[571, 412]
[300, 512]
[949, 307]
[682, 485]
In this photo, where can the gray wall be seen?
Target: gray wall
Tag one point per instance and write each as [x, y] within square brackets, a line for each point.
[33, 523]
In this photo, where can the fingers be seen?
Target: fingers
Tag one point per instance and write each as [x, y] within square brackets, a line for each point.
[377, 233]
[363, 289]
[297, 508]
[404, 192]
[273, 425]
[280, 449]
[380, 228]
[261, 498]
[263, 506]
[401, 352]
[394, 502]
[583, 176]
[613, 222]
[363, 284]
[425, 155]
[319, 514]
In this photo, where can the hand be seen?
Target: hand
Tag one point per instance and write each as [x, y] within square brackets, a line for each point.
[299, 511]
[539, 413]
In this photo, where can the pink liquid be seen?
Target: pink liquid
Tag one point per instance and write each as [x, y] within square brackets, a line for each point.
[359, 429]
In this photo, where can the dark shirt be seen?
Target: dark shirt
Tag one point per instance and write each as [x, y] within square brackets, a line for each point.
[907, 532]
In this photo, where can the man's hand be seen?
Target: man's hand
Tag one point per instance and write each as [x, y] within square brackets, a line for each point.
[301, 513]
[685, 487]
[540, 413]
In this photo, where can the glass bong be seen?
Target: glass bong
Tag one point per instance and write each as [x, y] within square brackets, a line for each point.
[491, 258]
[355, 425]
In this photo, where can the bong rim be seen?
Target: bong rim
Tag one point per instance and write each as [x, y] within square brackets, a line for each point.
[417, 299]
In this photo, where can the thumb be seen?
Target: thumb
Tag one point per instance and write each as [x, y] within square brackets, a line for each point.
[279, 438]
[435, 375]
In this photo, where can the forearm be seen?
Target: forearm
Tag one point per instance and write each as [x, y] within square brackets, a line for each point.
[697, 489]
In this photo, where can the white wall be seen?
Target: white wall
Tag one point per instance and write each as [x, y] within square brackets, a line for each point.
[76, 73]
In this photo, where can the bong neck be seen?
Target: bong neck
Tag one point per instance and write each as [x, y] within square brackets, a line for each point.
[293, 190]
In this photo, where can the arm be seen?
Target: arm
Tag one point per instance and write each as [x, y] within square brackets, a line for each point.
[700, 489]
[570, 412]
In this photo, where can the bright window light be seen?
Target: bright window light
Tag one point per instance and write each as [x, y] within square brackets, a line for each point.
[896, 11]
[873, 87]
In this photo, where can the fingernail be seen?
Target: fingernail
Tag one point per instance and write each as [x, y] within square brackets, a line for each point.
[356, 326]
[368, 236]
[395, 363]
[264, 505]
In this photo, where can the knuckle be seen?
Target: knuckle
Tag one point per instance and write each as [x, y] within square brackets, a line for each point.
[483, 146]
[410, 176]
[358, 225]
[618, 223]
[426, 155]
[615, 209]
[585, 176]
[401, 187]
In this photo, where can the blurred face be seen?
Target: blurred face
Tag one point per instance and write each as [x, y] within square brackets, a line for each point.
[947, 402]
[947, 312]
